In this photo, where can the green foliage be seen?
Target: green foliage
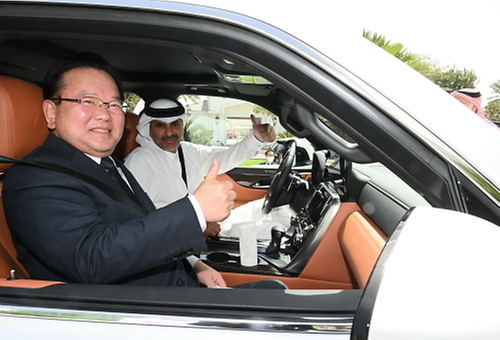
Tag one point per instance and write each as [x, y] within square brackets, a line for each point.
[421, 63]
[378, 40]
[131, 99]
[453, 79]
[495, 87]
[251, 161]
[261, 110]
[284, 134]
[188, 124]
[198, 134]
[449, 80]
[492, 111]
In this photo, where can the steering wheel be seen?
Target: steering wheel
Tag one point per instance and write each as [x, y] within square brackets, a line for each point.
[282, 178]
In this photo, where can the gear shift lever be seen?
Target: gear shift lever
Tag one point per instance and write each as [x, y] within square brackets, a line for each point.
[277, 233]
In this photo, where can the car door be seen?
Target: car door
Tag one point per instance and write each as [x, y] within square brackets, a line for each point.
[423, 289]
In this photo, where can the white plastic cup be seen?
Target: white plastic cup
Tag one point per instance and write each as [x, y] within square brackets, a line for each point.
[247, 232]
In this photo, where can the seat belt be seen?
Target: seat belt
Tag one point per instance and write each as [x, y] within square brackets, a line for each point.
[112, 193]
[183, 166]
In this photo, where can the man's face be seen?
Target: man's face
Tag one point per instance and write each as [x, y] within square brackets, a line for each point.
[468, 103]
[95, 132]
[167, 136]
[270, 156]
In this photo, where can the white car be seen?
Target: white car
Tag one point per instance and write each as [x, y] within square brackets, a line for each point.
[398, 240]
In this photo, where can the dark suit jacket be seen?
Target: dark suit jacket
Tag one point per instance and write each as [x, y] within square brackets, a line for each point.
[67, 229]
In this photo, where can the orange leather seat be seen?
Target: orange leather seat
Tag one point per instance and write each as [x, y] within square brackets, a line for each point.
[128, 143]
[361, 242]
[22, 128]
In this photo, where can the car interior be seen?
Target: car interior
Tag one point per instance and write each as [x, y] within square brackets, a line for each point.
[345, 228]
[343, 215]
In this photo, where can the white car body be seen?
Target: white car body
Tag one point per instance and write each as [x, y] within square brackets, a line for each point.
[443, 270]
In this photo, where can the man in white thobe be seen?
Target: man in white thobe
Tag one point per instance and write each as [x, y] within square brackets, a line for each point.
[169, 168]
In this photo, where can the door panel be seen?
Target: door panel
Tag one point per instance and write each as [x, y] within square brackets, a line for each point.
[243, 194]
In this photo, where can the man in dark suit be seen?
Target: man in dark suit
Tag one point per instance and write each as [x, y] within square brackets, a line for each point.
[269, 158]
[67, 228]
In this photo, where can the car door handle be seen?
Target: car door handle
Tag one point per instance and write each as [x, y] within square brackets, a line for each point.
[262, 183]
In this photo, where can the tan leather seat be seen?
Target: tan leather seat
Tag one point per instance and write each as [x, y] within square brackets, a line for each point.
[362, 242]
[22, 128]
[128, 143]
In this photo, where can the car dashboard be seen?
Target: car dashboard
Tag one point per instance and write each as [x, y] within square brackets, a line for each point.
[290, 249]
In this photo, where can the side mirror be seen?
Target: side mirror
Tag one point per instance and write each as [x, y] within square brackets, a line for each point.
[437, 277]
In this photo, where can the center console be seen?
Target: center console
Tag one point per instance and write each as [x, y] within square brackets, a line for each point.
[290, 249]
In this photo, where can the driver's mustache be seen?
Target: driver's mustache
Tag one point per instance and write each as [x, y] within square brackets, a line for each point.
[170, 136]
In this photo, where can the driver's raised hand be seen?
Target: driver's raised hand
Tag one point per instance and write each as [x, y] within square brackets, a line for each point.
[263, 132]
[215, 197]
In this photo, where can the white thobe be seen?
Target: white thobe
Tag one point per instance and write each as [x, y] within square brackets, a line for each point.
[159, 171]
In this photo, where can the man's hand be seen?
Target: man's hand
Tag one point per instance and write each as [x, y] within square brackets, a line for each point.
[208, 276]
[213, 229]
[263, 132]
[215, 197]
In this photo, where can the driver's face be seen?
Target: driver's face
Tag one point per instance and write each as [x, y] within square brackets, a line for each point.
[167, 136]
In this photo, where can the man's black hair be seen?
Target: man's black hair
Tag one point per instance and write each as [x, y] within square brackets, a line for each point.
[52, 84]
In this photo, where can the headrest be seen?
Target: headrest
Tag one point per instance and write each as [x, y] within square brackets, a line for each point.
[22, 124]
[128, 143]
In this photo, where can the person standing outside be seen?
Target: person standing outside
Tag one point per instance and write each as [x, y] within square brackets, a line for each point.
[269, 158]
[472, 99]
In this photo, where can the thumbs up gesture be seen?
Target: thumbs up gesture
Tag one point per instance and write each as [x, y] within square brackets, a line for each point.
[216, 198]
[263, 132]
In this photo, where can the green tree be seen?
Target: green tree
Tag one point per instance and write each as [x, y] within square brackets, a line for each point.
[131, 99]
[261, 110]
[285, 134]
[495, 87]
[421, 63]
[492, 111]
[453, 79]
[198, 134]
[449, 79]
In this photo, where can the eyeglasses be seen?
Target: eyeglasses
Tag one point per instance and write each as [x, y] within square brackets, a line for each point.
[92, 104]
